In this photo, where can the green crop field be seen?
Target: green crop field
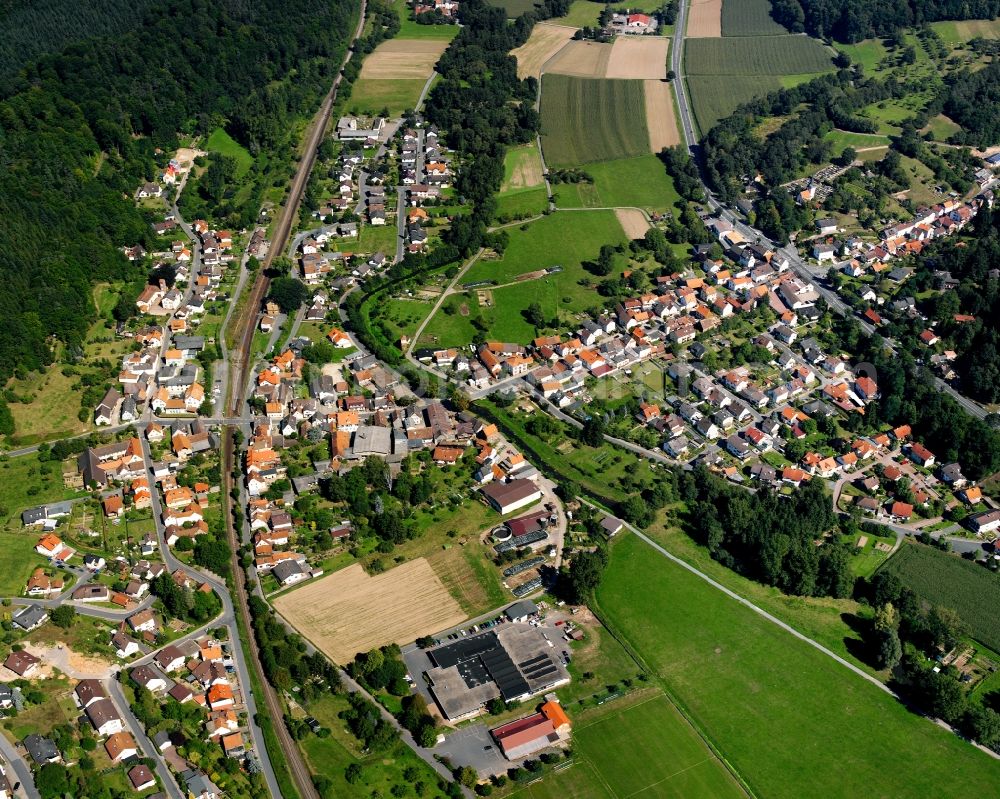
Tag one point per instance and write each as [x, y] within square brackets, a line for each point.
[641, 182]
[643, 748]
[790, 720]
[224, 144]
[588, 119]
[749, 18]
[714, 97]
[771, 55]
[947, 580]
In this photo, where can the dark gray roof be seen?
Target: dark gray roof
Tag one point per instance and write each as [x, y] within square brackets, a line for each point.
[42, 750]
[30, 617]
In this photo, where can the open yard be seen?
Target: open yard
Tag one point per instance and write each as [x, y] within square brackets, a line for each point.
[790, 720]
[660, 118]
[349, 612]
[945, 579]
[640, 182]
[403, 59]
[638, 57]
[545, 41]
[585, 120]
[645, 748]
[581, 59]
[704, 19]
[224, 144]
[753, 55]
[749, 18]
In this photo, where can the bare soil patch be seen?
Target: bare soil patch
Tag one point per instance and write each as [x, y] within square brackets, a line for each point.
[581, 60]
[638, 57]
[546, 40]
[349, 612]
[403, 59]
[633, 222]
[660, 120]
[705, 19]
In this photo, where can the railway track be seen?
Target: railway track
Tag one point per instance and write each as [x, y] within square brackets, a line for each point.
[241, 366]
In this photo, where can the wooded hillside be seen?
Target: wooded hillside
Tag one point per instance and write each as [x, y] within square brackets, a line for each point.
[78, 132]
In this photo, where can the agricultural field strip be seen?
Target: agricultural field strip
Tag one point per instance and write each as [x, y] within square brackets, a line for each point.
[704, 19]
[760, 611]
[749, 18]
[403, 58]
[783, 55]
[545, 42]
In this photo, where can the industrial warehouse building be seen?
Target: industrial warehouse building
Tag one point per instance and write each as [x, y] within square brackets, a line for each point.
[513, 662]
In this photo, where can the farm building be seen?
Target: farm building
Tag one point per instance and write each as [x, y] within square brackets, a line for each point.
[526, 736]
[509, 497]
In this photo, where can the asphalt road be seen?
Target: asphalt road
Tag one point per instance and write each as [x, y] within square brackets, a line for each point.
[18, 771]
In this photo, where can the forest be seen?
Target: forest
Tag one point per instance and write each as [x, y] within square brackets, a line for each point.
[970, 261]
[972, 100]
[768, 537]
[80, 129]
[854, 20]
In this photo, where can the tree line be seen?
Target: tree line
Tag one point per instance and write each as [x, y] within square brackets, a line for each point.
[854, 20]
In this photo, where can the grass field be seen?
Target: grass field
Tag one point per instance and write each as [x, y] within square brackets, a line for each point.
[947, 580]
[19, 558]
[371, 95]
[868, 53]
[749, 55]
[749, 18]
[372, 238]
[380, 771]
[583, 13]
[842, 139]
[560, 239]
[224, 144]
[941, 128]
[966, 30]
[26, 482]
[408, 29]
[791, 721]
[514, 8]
[645, 749]
[642, 182]
[522, 203]
[714, 97]
[586, 120]
[403, 316]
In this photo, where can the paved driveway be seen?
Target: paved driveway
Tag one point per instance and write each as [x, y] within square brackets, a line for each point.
[473, 746]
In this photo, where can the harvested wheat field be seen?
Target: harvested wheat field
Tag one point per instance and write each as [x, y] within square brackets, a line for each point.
[638, 57]
[705, 19]
[633, 222]
[581, 60]
[546, 40]
[403, 59]
[660, 119]
[349, 612]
